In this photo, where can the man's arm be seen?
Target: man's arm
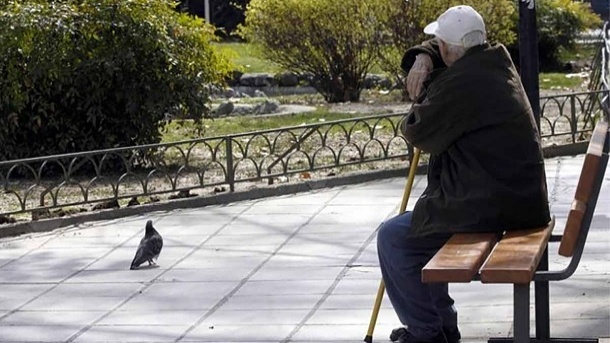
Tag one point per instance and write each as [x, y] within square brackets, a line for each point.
[418, 62]
[447, 111]
[430, 48]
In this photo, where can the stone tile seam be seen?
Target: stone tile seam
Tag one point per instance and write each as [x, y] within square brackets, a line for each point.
[226, 298]
[51, 236]
[55, 285]
[339, 277]
[151, 282]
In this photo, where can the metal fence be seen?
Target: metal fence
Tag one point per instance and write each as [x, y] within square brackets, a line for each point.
[604, 71]
[218, 164]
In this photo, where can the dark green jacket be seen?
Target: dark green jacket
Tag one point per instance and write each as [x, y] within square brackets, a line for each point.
[486, 170]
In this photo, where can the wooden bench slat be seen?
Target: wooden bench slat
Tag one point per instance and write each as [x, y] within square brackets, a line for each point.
[590, 169]
[516, 257]
[460, 258]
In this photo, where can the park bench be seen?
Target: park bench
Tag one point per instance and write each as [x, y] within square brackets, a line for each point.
[521, 257]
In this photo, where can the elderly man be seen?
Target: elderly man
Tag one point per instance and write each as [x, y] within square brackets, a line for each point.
[486, 170]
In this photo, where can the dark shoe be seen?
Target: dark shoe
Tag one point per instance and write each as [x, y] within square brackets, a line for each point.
[401, 335]
[451, 333]
[397, 333]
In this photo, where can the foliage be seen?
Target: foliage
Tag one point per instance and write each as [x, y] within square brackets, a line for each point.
[336, 42]
[559, 23]
[226, 15]
[405, 22]
[82, 75]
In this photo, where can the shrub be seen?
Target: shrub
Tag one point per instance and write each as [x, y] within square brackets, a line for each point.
[226, 15]
[336, 42]
[405, 22]
[83, 75]
[559, 23]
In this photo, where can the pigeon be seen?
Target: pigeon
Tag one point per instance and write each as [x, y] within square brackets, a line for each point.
[149, 248]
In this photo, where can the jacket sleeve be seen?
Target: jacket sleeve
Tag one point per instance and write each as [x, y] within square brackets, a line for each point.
[429, 47]
[441, 118]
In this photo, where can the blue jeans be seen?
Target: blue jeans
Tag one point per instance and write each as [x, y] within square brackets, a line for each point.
[425, 308]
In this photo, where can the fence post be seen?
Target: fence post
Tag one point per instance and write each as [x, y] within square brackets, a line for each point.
[573, 122]
[230, 178]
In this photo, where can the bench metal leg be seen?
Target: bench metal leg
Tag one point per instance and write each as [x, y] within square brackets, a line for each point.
[541, 294]
[521, 312]
[521, 319]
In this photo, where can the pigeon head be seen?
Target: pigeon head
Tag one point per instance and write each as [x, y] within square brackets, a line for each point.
[149, 228]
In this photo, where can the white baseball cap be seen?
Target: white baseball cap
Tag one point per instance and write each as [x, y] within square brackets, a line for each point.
[455, 23]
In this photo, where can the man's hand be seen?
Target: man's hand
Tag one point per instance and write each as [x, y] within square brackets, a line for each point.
[418, 74]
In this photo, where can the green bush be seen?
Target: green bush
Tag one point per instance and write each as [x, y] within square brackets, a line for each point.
[80, 75]
[336, 42]
[559, 23]
[405, 22]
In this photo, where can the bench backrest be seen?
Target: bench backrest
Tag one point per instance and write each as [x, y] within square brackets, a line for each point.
[587, 192]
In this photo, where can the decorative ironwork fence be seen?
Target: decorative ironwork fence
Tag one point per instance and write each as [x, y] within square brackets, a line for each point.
[213, 164]
[111, 175]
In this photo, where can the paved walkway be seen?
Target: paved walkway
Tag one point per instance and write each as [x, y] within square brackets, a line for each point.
[297, 268]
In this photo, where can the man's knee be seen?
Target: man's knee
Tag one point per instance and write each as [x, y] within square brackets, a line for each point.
[389, 233]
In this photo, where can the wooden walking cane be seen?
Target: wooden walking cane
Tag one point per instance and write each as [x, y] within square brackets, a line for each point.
[403, 207]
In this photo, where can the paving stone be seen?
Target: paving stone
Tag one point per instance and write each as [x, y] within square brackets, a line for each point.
[222, 276]
[78, 242]
[248, 240]
[265, 208]
[114, 275]
[256, 317]
[238, 333]
[312, 198]
[279, 220]
[318, 227]
[386, 317]
[117, 290]
[273, 272]
[271, 302]
[57, 259]
[52, 318]
[351, 286]
[254, 229]
[25, 275]
[337, 332]
[320, 249]
[284, 287]
[128, 333]
[353, 302]
[14, 295]
[182, 295]
[223, 261]
[120, 258]
[153, 318]
[289, 259]
[63, 303]
[198, 275]
[36, 333]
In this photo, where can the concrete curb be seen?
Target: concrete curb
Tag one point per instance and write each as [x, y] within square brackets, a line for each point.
[45, 225]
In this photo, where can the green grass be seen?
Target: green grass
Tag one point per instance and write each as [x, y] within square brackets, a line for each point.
[581, 51]
[244, 56]
[180, 130]
[558, 81]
